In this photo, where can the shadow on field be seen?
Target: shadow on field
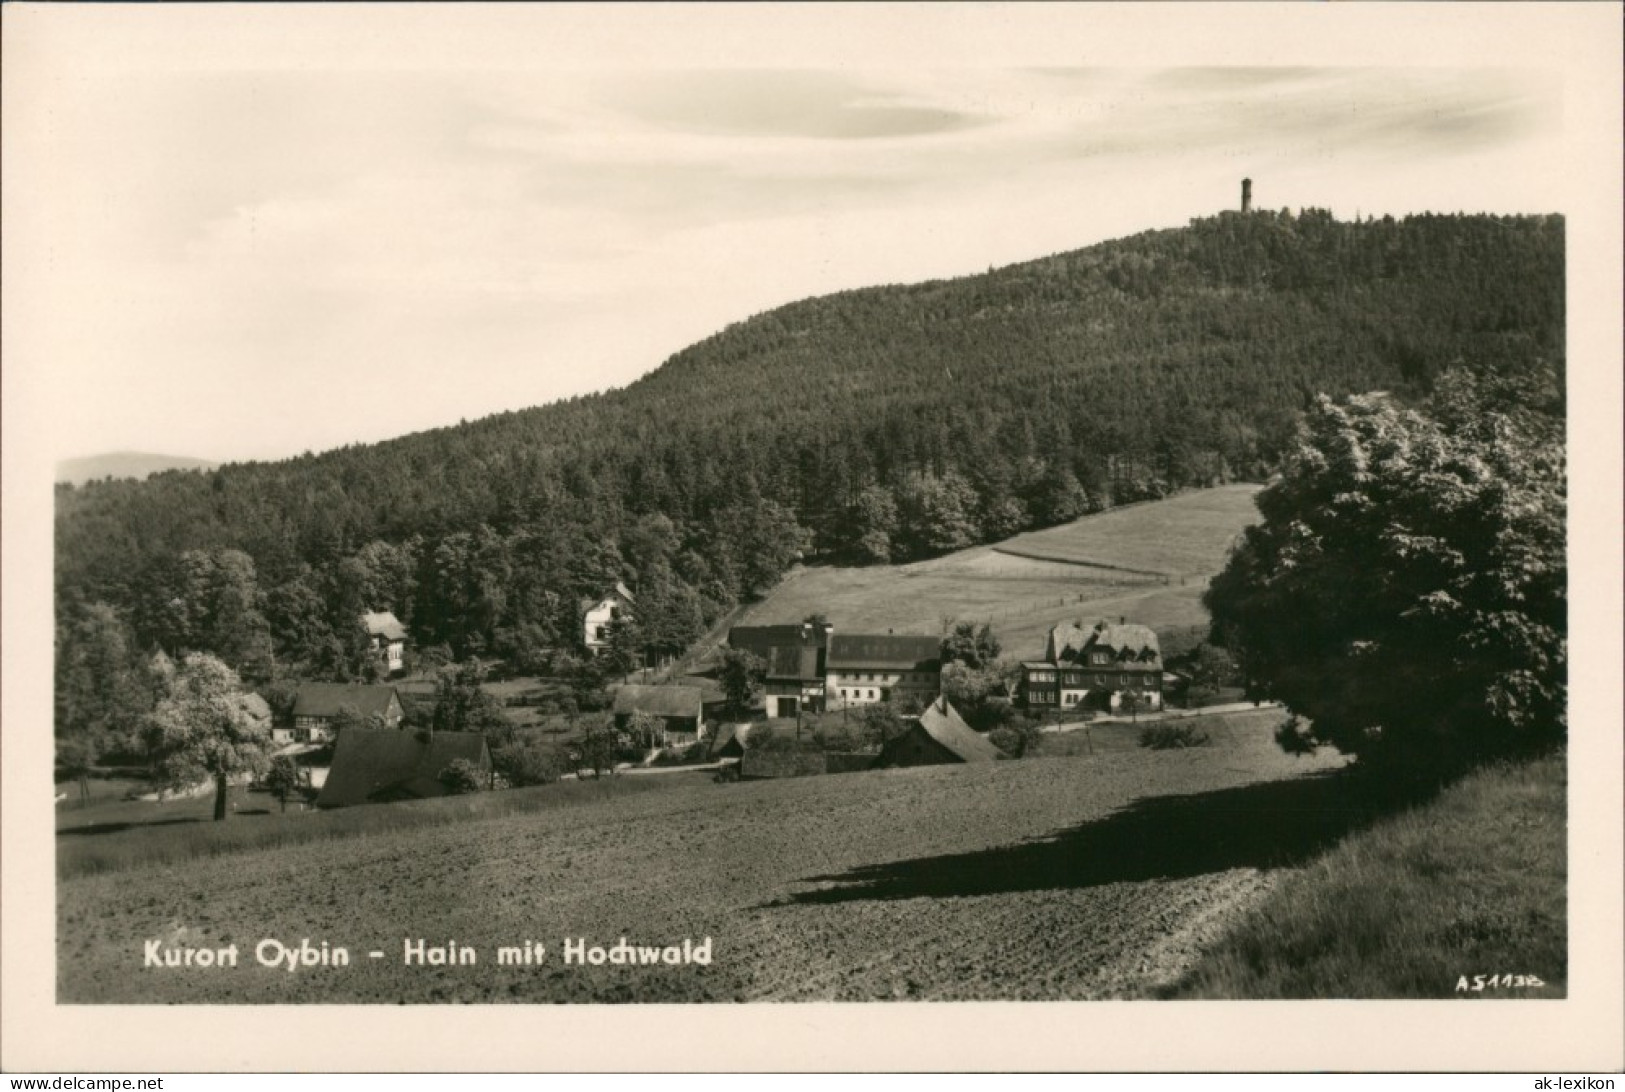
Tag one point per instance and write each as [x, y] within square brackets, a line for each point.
[1265, 825]
[114, 828]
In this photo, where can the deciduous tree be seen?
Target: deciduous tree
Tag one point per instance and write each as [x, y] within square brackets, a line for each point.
[204, 727]
[283, 779]
[740, 675]
[1406, 591]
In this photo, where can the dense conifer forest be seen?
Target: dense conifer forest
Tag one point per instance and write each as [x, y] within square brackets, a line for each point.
[879, 424]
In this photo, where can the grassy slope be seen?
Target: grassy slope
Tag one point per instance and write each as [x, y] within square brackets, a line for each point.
[1187, 536]
[1474, 882]
[1184, 535]
[122, 835]
[1225, 731]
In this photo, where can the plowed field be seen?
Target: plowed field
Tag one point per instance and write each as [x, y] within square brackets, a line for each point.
[1085, 877]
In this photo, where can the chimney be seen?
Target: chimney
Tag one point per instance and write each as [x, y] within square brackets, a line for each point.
[1246, 195]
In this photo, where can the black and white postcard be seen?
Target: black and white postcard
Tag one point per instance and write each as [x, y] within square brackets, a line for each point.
[973, 536]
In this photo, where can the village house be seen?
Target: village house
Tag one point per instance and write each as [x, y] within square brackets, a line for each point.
[793, 683]
[862, 669]
[317, 706]
[679, 709]
[388, 638]
[1093, 668]
[794, 656]
[938, 736]
[378, 766]
[598, 614]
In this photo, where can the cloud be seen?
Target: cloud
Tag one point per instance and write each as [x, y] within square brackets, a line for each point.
[249, 238]
[806, 104]
[1322, 113]
[1212, 78]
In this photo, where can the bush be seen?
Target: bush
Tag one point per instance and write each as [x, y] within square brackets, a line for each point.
[284, 779]
[763, 738]
[838, 737]
[528, 761]
[1167, 737]
[1017, 738]
[1007, 740]
[462, 776]
[878, 723]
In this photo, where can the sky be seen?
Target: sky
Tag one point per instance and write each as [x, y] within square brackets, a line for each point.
[251, 241]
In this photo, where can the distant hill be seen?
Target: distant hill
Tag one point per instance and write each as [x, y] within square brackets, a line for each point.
[124, 464]
[887, 424]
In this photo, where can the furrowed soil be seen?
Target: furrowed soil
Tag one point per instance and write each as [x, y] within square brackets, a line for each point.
[1048, 878]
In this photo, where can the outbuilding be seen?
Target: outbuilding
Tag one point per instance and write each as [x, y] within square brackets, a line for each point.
[939, 736]
[317, 706]
[680, 710]
[380, 766]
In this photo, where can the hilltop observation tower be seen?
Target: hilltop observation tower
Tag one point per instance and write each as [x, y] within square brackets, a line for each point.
[1246, 195]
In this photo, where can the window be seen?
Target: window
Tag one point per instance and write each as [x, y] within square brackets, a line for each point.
[1099, 658]
[1125, 680]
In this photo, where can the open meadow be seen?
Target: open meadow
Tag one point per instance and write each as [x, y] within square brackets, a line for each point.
[1148, 563]
[1187, 534]
[1096, 875]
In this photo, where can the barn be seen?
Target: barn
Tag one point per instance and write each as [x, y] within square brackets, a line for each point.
[382, 765]
[938, 737]
[680, 709]
[317, 706]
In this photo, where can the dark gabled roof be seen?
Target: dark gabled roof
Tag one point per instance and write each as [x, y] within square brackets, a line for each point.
[384, 624]
[760, 641]
[325, 699]
[789, 662]
[661, 701]
[710, 691]
[885, 651]
[376, 765]
[942, 723]
[1129, 642]
[728, 734]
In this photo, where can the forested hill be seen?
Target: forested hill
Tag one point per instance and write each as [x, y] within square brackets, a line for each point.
[886, 422]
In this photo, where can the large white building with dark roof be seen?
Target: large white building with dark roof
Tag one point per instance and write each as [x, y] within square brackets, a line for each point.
[1093, 668]
[862, 668]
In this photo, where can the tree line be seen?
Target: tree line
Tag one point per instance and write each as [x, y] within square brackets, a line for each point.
[884, 424]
